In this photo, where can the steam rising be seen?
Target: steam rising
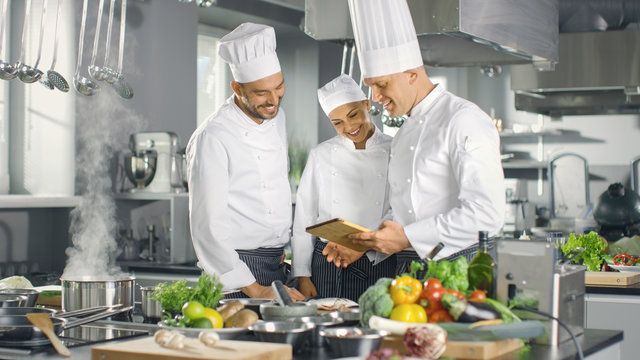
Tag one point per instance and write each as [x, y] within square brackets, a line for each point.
[104, 124]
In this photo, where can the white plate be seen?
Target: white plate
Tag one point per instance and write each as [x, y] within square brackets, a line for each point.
[224, 333]
[333, 302]
[631, 268]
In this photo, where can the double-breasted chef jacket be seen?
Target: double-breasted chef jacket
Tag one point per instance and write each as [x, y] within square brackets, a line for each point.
[240, 197]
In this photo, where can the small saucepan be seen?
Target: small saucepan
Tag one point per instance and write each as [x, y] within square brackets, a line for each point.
[17, 328]
[7, 301]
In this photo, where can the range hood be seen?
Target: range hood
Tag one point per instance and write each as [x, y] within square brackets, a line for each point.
[598, 73]
[461, 32]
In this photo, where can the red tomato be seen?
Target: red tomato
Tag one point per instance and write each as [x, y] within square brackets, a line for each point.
[430, 299]
[456, 293]
[478, 296]
[440, 316]
[432, 283]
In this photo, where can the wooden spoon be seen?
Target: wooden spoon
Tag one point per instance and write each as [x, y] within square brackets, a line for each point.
[43, 322]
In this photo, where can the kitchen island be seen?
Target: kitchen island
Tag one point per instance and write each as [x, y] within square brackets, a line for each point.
[596, 345]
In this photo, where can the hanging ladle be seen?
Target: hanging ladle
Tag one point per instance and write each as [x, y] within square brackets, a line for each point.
[104, 73]
[94, 71]
[7, 70]
[27, 74]
[82, 84]
[43, 79]
[119, 84]
[53, 76]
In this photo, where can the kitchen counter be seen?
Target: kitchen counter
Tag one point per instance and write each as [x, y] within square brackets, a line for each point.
[596, 344]
[614, 289]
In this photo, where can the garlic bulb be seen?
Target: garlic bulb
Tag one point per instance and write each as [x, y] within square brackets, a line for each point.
[170, 339]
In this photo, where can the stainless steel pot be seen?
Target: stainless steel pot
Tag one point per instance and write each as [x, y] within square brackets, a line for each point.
[85, 292]
[151, 308]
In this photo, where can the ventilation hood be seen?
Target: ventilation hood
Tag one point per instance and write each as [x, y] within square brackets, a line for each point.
[461, 32]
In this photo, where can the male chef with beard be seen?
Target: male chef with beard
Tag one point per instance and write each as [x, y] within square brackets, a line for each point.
[239, 194]
[445, 174]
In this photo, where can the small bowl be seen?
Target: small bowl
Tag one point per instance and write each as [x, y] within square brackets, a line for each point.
[321, 322]
[30, 294]
[349, 318]
[249, 303]
[352, 341]
[294, 333]
[274, 311]
[7, 300]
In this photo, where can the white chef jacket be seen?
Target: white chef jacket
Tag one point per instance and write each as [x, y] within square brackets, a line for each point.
[340, 181]
[445, 174]
[239, 193]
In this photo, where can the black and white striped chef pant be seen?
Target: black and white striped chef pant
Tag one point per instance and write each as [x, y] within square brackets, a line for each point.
[350, 282]
[265, 264]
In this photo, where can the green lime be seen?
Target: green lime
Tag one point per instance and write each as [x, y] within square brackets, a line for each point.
[193, 310]
[202, 323]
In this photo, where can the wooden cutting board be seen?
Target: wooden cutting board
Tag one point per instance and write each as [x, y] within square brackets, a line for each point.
[336, 230]
[147, 349]
[611, 278]
[464, 349]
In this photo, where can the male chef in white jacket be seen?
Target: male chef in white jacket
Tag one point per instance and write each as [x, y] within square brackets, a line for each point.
[239, 194]
[445, 173]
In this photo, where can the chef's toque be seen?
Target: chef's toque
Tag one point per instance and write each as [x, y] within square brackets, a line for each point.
[250, 51]
[339, 91]
[385, 37]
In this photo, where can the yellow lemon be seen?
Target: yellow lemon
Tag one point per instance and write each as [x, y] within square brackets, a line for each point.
[214, 317]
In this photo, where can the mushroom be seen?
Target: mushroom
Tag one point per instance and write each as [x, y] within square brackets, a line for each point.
[209, 338]
[169, 339]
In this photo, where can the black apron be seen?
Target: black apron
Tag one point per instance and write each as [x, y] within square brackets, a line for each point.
[265, 264]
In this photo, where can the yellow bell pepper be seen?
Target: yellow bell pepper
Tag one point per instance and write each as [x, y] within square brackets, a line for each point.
[412, 313]
[405, 290]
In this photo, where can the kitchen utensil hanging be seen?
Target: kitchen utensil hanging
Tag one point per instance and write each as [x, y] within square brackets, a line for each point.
[43, 79]
[94, 71]
[104, 72]
[57, 80]
[83, 85]
[26, 73]
[120, 85]
[7, 70]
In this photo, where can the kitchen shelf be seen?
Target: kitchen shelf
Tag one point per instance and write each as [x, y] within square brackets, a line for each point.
[149, 196]
[37, 201]
[524, 164]
[548, 136]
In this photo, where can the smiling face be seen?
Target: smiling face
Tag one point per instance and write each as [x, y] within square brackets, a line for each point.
[260, 99]
[394, 92]
[352, 121]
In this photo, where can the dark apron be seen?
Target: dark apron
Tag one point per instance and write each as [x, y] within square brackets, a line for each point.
[350, 282]
[265, 264]
[405, 257]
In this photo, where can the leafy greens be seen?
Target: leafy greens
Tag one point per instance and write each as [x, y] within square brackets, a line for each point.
[593, 254]
[208, 291]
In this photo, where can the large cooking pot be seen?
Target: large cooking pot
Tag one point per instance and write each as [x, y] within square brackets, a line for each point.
[617, 211]
[88, 291]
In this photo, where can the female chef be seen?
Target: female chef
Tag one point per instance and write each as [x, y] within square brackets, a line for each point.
[345, 177]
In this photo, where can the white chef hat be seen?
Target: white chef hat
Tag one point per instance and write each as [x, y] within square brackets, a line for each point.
[250, 51]
[385, 37]
[339, 91]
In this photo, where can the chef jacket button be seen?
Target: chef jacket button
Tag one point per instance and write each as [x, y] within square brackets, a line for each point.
[269, 211]
[379, 174]
[420, 122]
[277, 236]
[246, 133]
[412, 147]
[410, 211]
[333, 173]
[334, 148]
[335, 201]
[259, 157]
[377, 202]
[390, 155]
[409, 180]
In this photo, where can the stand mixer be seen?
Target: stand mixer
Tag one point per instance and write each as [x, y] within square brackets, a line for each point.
[164, 145]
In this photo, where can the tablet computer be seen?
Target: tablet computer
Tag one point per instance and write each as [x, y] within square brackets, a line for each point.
[336, 230]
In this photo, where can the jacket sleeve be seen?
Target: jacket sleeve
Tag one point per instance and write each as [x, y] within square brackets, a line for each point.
[208, 211]
[306, 214]
[474, 155]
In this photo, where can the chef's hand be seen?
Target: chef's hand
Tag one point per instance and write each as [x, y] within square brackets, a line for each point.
[307, 288]
[256, 290]
[341, 256]
[388, 239]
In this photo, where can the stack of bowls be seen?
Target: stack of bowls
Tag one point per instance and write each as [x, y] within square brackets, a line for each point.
[273, 311]
[294, 333]
[13, 300]
[320, 322]
[352, 341]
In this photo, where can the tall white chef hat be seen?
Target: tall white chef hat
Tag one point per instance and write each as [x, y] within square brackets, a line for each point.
[339, 91]
[385, 37]
[250, 51]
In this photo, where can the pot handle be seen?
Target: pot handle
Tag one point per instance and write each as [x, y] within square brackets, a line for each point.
[86, 311]
[101, 315]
